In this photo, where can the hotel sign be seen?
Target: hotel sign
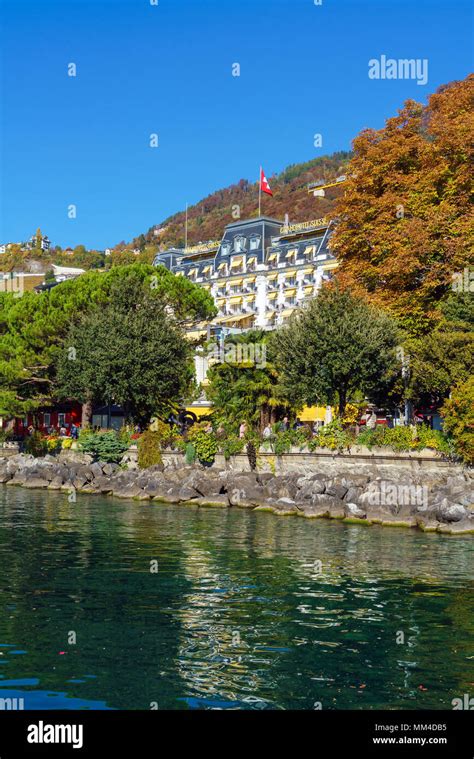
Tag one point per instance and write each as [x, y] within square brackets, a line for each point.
[205, 246]
[303, 226]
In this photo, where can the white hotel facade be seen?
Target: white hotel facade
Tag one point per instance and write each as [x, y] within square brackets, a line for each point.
[260, 272]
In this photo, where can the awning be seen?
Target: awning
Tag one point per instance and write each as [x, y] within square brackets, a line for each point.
[196, 334]
[272, 257]
[272, 277]
[251, 259]
[235, 282]
[309, 249]
[250, 299]
[290, 273]
[236, 299]
[192, 271]
[222, 265]
[200, 410]
[272, 296]
[313, 414]
[309, 270]
[207, 268]
[308, 290]
[234, 318]
[288, 311]
[236, 261]
[250, 280]
[291, 252]
[292, 291]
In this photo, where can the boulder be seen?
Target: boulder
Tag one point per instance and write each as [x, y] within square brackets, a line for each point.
[96, 469]
[110, 468]
[56, 483]
[35, 482]
[451, 512]
[217, 501]
[244, 490]
[354, 511]
[336, 487]
[309, 488]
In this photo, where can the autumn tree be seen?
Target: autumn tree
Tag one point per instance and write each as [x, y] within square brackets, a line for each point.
[405, 220]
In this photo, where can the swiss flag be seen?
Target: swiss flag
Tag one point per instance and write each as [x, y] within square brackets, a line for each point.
[265, 187]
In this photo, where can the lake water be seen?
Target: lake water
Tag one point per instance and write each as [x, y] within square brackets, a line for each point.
[246, 610]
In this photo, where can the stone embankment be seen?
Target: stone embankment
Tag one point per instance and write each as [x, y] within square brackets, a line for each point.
[434, 501]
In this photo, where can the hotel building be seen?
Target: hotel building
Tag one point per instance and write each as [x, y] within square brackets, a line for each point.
[260, 272]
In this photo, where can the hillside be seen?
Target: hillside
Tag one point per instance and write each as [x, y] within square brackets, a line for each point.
[207, 219]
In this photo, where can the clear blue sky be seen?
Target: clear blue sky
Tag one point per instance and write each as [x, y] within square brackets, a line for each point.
[167, 69]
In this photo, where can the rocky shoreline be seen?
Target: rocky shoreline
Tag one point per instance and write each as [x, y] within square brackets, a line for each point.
[441, 502]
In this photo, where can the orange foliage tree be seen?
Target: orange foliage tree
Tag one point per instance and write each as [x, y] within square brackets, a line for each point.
[405, 223]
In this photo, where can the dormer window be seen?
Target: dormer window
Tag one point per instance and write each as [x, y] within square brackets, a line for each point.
[254, 242]
[225, 248]
[239, 244]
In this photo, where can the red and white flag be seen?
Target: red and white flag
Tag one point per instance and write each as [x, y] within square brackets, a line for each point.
[264, 186]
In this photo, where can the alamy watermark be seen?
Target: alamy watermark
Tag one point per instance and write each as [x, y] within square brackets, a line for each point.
[390, 494]
[463, 281]
[13, 283]
[243, 354]
[401, 68]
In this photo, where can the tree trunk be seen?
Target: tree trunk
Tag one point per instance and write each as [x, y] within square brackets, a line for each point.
[86, 417]
[342, 402]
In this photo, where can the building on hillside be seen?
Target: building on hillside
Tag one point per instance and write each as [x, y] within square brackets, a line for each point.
[259, 272]
[45, 243]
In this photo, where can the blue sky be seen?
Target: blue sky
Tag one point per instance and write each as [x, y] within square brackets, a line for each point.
[167, 69]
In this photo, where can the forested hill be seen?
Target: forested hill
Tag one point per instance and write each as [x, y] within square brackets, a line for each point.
[207, 219]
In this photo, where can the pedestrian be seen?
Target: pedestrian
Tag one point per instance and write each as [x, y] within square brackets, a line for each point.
[267, 432]
[242, 430]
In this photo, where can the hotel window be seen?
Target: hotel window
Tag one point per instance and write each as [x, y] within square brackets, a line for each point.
[290, 281]
[61, 420]
[46, 420]
[239, 244]
[251, 263]
[254, 242]
[225, 248]
[272, 260]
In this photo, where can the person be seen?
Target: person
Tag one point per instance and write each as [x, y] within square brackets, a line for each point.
[63, 431]
[242, 430]
[74, 432]
[371, 422]
[267, 432]
[284, 425]
[298, 424]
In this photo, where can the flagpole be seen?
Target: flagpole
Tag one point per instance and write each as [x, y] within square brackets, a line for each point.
[260, 191]
[186, 229]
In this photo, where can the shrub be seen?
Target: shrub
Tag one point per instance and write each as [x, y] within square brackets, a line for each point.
[458, 416]
[103, 446]
[53, 444]
[66, 443]
[190, 453]
[36, 445]
[231, 445]
[149, 449]
[204, 442]
[332, 436]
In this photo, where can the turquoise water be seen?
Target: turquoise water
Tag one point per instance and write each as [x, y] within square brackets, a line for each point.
[245, 611]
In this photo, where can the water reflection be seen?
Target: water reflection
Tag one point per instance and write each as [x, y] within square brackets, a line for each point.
[246, 611]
